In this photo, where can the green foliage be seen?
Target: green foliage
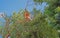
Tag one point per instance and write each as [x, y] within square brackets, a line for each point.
[41, 26]
[52, 12]
[57, 9]
[37, 28]
[0, 29]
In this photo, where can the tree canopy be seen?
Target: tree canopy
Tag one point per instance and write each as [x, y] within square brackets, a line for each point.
[42, 25]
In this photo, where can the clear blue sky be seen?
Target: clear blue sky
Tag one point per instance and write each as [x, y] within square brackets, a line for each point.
[8, 6]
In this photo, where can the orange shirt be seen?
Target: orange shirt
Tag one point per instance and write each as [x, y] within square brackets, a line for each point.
[27, 15]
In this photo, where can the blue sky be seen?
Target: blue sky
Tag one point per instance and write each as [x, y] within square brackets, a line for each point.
[8, 6]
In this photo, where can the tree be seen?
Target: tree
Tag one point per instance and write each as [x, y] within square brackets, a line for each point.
[41, 26]
[52, 11]
[37, 28]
